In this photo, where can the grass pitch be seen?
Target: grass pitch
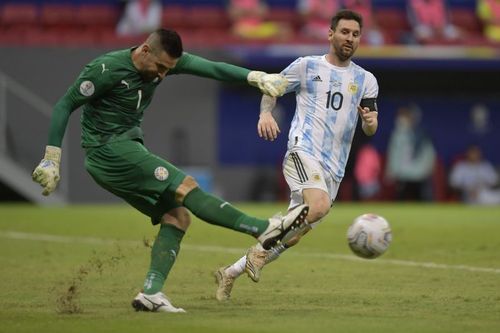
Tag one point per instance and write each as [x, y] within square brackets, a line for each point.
[77, 268]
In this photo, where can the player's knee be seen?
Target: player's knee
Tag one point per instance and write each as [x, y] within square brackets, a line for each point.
[188, 184]
[318, 209]
[179, 217]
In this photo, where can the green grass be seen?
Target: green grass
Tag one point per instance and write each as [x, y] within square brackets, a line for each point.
[315, 287]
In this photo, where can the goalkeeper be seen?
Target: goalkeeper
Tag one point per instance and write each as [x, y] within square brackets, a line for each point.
[115, 89]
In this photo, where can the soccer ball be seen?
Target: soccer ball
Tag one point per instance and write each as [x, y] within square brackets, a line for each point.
[369, 236]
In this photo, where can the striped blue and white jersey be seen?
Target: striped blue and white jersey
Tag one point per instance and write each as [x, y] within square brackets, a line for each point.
[326, 112]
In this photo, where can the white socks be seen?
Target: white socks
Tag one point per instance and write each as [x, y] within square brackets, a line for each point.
[237, 268]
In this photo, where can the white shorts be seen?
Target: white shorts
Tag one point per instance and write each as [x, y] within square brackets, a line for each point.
[301, 172]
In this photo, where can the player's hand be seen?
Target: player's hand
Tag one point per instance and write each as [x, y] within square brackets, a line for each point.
[273, 85]
[267, 127]
[370, 117]
[370, 120]
[47, 172]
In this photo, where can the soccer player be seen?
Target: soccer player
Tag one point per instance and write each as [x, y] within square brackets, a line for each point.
[115, 89]
[332, 92]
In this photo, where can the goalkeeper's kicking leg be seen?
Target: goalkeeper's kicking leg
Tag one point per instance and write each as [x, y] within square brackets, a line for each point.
[212, 210]
[167, 195]
[256, 257]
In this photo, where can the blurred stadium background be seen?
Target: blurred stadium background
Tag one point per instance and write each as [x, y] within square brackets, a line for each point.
[208, 128]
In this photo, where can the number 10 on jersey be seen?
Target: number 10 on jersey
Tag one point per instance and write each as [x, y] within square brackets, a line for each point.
[334, 100]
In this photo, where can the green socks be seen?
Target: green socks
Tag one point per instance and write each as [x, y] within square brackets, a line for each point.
[208, 208]
[163, 255]
[216, 211]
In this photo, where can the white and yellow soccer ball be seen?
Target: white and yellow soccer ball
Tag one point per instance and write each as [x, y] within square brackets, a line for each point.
[369, 236]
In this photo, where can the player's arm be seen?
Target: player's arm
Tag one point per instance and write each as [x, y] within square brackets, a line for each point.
[47, 171]
[88, 85]
[368, 109]
[267, 127]
[369, 115]
[269, 84]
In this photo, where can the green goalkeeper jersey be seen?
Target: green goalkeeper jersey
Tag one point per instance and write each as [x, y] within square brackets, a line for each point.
[114, 96]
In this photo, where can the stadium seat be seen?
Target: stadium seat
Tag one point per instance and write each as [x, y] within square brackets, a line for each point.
[207, 16]
[97, 16]
[393, 22]
[175, 17]
[10, 37]
[109, 39]
[466, 20]
[57, 15]
[470, 25]
[285, 15]
[18, 14]
[78, 37]
[214, 37]
[41, 38]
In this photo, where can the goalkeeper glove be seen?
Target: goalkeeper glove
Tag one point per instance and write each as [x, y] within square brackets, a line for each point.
[47, 172]
[273, 85]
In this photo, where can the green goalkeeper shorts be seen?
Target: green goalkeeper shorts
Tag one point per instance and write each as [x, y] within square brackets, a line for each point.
[144, 180]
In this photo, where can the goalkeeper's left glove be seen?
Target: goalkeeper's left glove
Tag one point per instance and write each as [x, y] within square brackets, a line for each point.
[273, 85]
[47, 172]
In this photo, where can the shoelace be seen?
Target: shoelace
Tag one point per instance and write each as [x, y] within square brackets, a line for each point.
[227, 283]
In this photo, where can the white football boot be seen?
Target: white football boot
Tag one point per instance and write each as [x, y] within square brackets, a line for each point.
[154, 303]
[224, 284]
[283, 228]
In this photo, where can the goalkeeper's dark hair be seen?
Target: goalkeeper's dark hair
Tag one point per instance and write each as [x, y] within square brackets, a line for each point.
[346, 14]
[168, 41]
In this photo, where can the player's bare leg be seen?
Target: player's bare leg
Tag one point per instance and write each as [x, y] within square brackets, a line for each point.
[225, 276]
[212, 210]
[257, 257]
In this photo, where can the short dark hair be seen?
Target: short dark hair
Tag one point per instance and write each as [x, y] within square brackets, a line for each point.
[170, 42]
[346, 14]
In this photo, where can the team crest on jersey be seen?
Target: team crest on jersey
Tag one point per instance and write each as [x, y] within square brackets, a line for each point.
[316, 177]
[161, 173]
[87, 88]
[353, 88]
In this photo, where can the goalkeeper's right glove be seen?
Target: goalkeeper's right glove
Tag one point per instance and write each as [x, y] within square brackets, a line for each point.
[47, 172]
[273, 85]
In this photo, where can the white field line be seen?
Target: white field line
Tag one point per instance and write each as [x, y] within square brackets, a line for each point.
[240, 251]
